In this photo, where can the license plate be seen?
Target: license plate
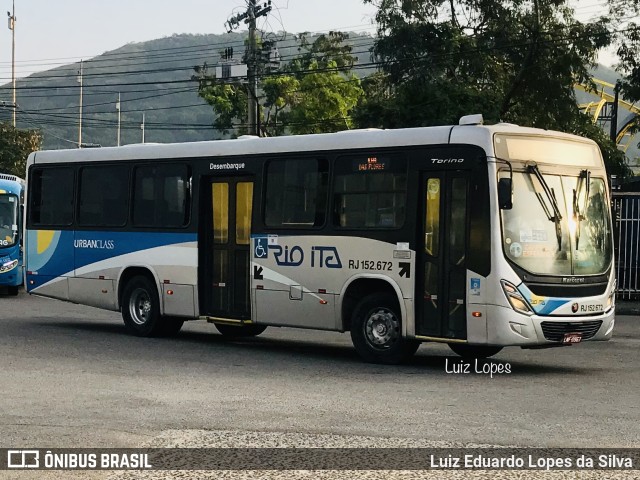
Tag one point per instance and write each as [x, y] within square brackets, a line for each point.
[572, 338]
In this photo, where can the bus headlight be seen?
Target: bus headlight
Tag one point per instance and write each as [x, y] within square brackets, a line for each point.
[8, 266]
[611, 301]
[516, 300]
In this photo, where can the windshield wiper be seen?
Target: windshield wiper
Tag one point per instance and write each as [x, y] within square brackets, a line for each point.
[551, 196]
[584, 181]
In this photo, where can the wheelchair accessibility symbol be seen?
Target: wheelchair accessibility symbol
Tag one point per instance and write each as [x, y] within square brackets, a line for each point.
[261, 249]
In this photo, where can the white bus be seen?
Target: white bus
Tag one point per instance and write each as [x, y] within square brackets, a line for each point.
[476, 236]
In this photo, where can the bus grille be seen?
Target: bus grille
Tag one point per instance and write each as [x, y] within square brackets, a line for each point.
[555, 331]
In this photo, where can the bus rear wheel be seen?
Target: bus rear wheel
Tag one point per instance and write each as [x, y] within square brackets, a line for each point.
[376, 331]
[233, 331]
[474, 351]
[141, 308]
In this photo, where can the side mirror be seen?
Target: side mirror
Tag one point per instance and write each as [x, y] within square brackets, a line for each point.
[505, 194]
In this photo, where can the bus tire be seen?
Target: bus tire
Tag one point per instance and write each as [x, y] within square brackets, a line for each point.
[376, 331]
[141, 307]
[13, 290]
[474, 351]
[233, 331]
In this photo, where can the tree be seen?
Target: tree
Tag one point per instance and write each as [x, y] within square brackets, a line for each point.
[15, 147]
[228, 99]
[315, 92]
[514, 61]
[628, 48]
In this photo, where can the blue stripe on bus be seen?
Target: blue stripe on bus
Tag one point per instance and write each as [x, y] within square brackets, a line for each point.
[69, 250]
[542, 305]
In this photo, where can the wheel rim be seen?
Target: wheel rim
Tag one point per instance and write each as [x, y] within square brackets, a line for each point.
[140, 306]
[382, 328]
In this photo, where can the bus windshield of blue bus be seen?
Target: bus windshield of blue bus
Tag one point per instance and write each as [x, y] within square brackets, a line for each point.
[559, 224]
[8, 220]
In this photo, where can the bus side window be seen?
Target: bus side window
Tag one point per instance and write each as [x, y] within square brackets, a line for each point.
[161, 196]
[103, 196]
[52, 196]
[370, 192]
[296, 193]
[175, 193]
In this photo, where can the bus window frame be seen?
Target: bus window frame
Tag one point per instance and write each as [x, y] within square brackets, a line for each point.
[33, 170]
[264, 182]
[83, 226]
[188, 208]
[345, 157]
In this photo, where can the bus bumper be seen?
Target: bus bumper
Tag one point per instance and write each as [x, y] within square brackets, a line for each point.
[507, 327]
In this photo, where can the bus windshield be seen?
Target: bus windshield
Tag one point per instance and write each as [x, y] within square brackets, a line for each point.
[559, 224]
[8, 220]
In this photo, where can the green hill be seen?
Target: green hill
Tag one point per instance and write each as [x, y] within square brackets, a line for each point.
[153, 78]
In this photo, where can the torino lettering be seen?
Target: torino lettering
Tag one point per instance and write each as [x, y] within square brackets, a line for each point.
[447, 160]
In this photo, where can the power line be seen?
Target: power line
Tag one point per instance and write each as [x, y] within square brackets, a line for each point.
[41, 78]
[414, 58]
[149, 53]
[103, 93]
[355, 67]
[129, 100]
[189, 68]
[54, 87]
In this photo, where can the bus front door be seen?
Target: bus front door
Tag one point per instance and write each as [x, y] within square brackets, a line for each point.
[442, 247]
[224, 258]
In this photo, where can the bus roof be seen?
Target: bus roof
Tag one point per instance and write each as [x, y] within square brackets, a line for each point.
[481, 135]
[11, 184]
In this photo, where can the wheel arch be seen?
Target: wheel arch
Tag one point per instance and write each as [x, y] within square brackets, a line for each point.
[138, 270]
[358, 287]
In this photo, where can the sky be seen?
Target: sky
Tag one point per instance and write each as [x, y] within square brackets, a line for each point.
[53, 32]
[50, 33]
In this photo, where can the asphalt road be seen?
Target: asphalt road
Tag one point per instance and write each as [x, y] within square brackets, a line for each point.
[71, 376]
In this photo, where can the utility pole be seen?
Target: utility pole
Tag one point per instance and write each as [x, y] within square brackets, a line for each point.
[80, 122]
[252, 13]
[118, 109]
[142, 127]
[12, 27]
[252, 98]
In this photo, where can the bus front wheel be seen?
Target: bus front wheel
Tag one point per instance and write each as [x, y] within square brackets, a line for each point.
[376, 331]
[141, 307]
[474, 351]
[13, 291]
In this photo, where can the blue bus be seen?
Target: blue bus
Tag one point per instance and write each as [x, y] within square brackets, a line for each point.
[11, 202]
